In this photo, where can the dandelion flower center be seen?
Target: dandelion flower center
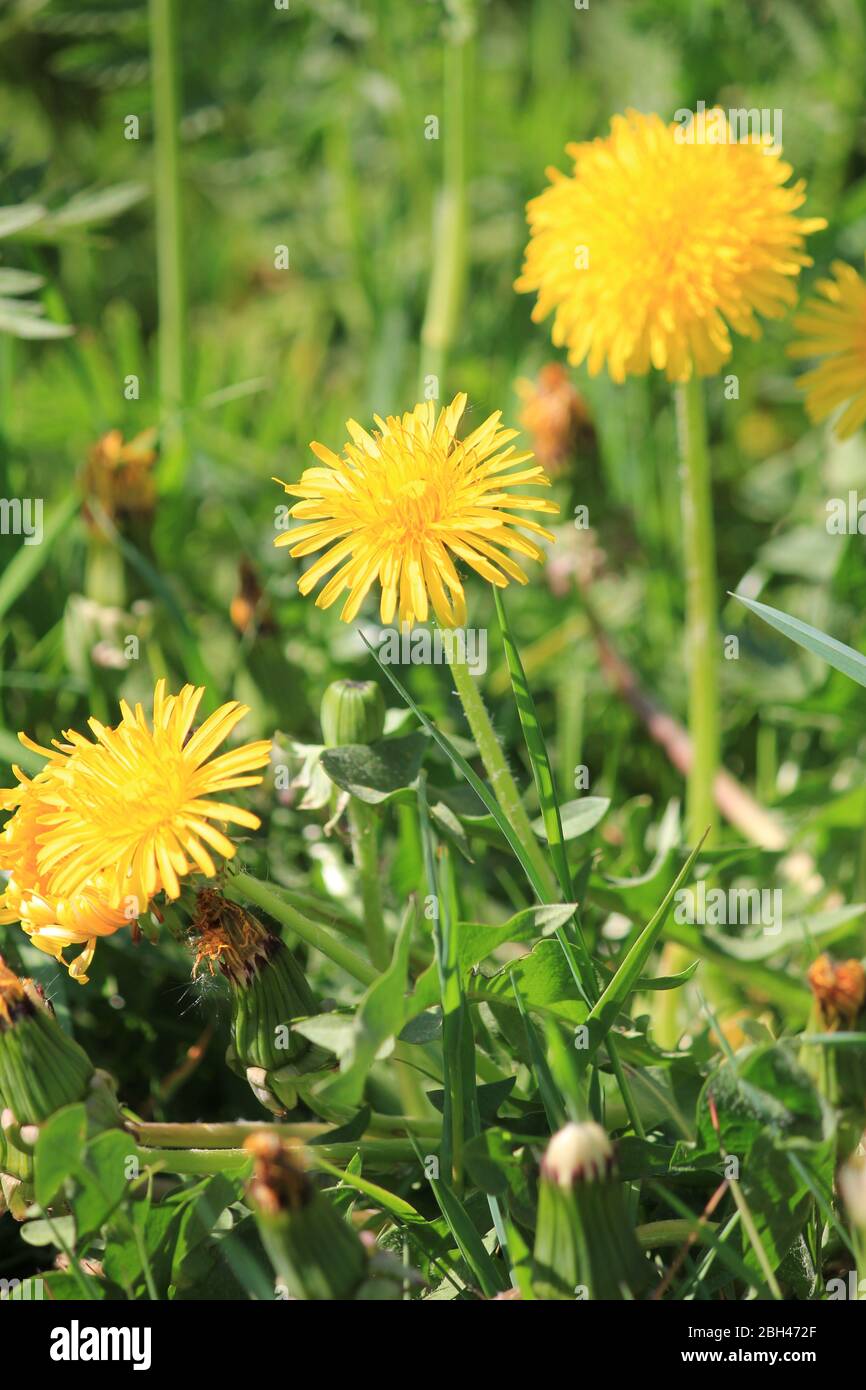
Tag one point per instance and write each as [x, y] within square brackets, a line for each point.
[404, 504]
[655, 248]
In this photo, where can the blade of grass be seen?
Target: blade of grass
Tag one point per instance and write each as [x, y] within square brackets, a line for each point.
[171, 283]
[25, 565]
[535, 746]
[843, 658]
[604, 1012]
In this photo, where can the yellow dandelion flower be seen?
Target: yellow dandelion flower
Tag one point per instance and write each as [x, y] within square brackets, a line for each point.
[108, 824]
[655, 248]
[404, 503]
[53, 922]
[835, 327]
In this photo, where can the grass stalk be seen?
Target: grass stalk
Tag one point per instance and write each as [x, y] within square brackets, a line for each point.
[171, 283]
[448, 276]
[701, 656]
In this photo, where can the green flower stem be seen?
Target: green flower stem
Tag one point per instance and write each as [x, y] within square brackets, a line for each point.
[498, 774]
[701, 655]
[231, 1135]
[171, 285]
[701, 601]
[364, 830]
[243, 887]
[196, 1162]
[376, 1153]
[447, 280]
[676, 1232]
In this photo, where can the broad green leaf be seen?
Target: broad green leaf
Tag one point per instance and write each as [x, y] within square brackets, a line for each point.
[58, 1230]
[379, 1017]
[59, 1150]
[545, 982]
[578, 816]
[102, 1180]
[476, 941]
[373, 772]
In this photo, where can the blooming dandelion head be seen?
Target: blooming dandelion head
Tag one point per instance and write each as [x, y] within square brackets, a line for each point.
[654, 248]
[107, 824]
[833, 326]
[404, 504]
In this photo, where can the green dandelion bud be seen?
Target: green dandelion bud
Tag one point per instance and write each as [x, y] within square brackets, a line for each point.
[41, 1070]
[585, 1246]
[315, 1253]
[269, 991]
[41, 1067]
[352, 712]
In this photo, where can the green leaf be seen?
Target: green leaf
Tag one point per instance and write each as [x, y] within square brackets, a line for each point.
[551, 823]
[480, 788]
[488, 1275]
[578, 816]
[845, 659]
[476, 940]
[374, 772]
[102, 1180]
[59, 1150]
[86, 208]
[19, 281]
[379, 1017]
[544, 979]
[20, 215]
[59, 1231]
[604, 1013]
[25, 565]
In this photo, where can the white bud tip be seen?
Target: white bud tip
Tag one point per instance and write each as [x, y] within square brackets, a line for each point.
[852, 1186]
[578, 1153]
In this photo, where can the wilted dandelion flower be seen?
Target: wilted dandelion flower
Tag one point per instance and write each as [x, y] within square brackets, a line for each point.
[108, 824]
[119, 475]
[654, 248]
[834, 327]
[404, 503]
[554, 414]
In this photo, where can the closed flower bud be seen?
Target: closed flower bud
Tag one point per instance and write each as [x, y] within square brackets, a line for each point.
[585, 1246]
[352, 712]
[41, 1067]
[269, 991]
[578, 1153]
[852, 1186]
[315, 1253]
[41, 1070]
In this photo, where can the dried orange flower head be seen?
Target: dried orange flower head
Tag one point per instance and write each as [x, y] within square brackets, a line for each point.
[227, 938]
[280, 1181]
[839, 989]
[119, 476]
[554, 415]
